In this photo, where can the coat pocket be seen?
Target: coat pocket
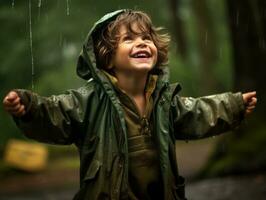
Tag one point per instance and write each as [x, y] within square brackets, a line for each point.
[93, 170]
[90, 187]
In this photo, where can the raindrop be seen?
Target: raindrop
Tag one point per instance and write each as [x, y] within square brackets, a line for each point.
[67, 2]
[39, 8]
[31, 49]
[237, 18]
[213, 137]
[13, 3]
[206, 38]
[39, 3]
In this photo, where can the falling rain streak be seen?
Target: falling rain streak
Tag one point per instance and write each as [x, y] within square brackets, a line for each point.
[31, 51]
[39, 3]
[237, 18]
[13, 3]
[67, 11]
[206, 38]
[39, 8]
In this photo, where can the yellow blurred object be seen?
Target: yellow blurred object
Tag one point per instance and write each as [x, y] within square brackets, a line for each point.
[26, 156]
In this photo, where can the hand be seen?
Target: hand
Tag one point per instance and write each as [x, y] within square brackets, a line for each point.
[13, 105]
[250, 101]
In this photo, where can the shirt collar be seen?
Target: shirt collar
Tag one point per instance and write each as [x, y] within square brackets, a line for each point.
[150, 85]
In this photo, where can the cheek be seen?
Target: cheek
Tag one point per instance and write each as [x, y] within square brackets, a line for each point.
[119, 60]
[154, 49]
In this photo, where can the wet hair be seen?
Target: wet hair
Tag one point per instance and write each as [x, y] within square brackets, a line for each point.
[107, 41]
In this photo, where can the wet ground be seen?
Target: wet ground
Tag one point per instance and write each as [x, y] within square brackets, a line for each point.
[66, 193]
[227, 188]
[251, 187]
[48, 185]
[62, 184]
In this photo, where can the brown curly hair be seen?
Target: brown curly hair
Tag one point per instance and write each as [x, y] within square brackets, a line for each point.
[107, 40]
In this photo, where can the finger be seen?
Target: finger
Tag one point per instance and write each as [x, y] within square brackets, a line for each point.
[251, 107]
[253, 93]
[20, 112]
[13, 108]
[12, 96]
[253, 102]
[250, 110]
[12, 103]
[249, 95]
[5, 101]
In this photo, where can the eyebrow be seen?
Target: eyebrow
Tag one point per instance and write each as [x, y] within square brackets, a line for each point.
[135, 33]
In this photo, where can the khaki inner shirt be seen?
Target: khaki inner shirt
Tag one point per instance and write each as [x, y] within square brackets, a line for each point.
[144, 169]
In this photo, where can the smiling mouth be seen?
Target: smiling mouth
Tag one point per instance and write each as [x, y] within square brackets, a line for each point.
[141, 54]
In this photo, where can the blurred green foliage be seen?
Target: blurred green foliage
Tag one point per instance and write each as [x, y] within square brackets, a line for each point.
[245, 156]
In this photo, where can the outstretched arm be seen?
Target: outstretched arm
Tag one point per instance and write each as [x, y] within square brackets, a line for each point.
[195, 118]
[55, 119]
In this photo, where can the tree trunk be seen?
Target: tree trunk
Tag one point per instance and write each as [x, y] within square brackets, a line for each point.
[178, 28]
[206, 43]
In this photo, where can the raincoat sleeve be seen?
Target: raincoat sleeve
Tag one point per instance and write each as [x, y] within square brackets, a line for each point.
[55, 119]
[195, 118]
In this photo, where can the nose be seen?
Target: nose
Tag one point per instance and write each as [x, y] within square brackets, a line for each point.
[140, 42]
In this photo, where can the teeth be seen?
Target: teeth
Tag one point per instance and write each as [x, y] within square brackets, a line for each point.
[141, 55]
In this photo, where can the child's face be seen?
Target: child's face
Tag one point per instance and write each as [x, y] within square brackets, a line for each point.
[136, 52]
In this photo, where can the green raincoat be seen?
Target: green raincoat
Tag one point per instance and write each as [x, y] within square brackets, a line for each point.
[92, 118]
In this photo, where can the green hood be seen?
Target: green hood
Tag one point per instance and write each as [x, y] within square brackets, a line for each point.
[86, 67]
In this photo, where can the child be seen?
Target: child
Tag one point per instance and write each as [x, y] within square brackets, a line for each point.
[126, 119]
